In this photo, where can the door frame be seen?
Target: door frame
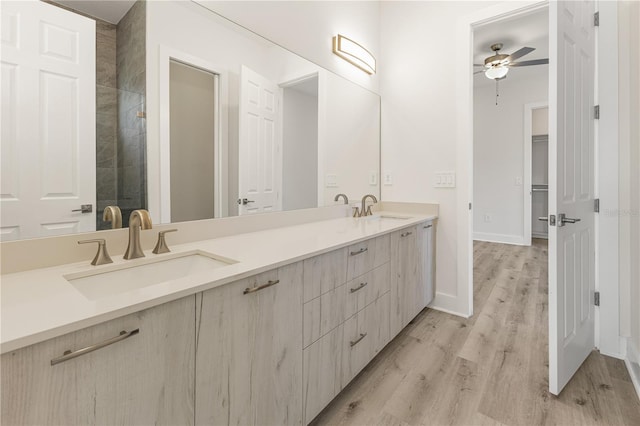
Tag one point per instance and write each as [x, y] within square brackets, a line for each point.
[528, 166]
[162, 199]
[464, 139]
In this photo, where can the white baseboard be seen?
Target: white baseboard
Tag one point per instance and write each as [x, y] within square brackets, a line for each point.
[633, 365]
[499, 238]
[447, 303]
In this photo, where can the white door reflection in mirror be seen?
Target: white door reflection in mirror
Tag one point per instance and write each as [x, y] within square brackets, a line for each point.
[49, 119]
[260, 144]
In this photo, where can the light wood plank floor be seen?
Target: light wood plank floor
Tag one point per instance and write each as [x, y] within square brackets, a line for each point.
[491, 369]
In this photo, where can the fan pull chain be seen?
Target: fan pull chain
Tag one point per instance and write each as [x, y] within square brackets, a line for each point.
[497, 92]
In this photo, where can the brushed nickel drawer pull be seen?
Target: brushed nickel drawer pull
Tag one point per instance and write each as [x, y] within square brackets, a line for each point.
[360, 287]
[70, 355]
[260, 287]
[362, 250]
[428, 226]
[355, 342]
[406, 234]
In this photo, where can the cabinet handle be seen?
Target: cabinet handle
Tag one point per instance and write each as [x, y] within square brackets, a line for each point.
[360, 287]
[405, 234]
[355, 342]
[70, 355]
[260, 287]
[362, 250]
[428, 226]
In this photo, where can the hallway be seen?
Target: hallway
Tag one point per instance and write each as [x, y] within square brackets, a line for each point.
[490, 369]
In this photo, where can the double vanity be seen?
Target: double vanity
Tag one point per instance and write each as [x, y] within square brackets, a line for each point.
[262, 327]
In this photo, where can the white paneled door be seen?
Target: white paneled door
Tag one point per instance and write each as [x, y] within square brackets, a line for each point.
[48, 120]
[571, 195]
[260, 144]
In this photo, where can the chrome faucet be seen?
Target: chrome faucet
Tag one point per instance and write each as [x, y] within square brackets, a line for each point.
[139, 219]
[114, 215]
[364, 210]
[344, 196]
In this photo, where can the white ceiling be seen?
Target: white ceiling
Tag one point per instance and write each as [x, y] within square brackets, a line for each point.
[527, 31]
[110, 11]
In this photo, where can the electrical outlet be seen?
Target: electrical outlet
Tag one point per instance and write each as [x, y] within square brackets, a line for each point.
[373, 178]
[487, 218]
[388, 178]
[518, 181]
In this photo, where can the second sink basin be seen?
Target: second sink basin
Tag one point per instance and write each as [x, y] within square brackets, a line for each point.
[143, 273]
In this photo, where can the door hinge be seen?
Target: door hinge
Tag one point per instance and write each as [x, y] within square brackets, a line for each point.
[596, 112]
[596, 19]
[469, 206]
[596, 298]
[596, 205]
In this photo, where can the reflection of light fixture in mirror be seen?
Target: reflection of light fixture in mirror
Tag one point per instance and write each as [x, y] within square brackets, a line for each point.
[495, 73]
[353, 53]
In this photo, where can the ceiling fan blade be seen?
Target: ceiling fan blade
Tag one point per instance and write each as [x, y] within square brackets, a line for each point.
[529, 63]
[478, 72]
[520, 53]
[478, 65]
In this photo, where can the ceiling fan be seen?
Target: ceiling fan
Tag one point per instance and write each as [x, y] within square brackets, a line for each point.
[497, 66]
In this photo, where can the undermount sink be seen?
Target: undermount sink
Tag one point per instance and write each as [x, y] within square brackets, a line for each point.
[388, 217]
[143, 273]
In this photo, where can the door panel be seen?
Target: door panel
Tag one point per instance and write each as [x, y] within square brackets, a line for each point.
[571, 190]
[48, 120]
[260, 164]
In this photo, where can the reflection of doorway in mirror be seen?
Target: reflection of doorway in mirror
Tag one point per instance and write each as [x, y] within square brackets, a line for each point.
[48, 118]
[193, 102]
[259, 144]
[300, 143]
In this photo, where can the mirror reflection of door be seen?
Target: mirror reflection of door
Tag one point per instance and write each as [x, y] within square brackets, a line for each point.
[193, 103]
[260, 144]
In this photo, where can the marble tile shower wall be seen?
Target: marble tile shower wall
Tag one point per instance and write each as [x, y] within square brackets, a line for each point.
[131, 83]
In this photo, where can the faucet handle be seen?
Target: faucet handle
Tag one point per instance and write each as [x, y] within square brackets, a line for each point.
[102, 256]
[356, 211]
[161, 245]
[369, 212]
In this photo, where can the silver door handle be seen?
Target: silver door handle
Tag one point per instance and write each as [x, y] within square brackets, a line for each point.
[244, 201]
[543, 219]
[70, 355]
[84, 208]
[562, 219]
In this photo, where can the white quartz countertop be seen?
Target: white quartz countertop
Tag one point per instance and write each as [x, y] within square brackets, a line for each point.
[41, 304]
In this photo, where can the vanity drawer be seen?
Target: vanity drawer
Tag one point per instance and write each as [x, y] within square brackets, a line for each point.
[324, 273]
[365, 334]
[367, 255]
[323, 314]
[366, 288]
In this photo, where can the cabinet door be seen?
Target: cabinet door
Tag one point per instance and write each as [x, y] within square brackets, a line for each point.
[427, 265]
[146, 378]
[248, 351]
[405, 279]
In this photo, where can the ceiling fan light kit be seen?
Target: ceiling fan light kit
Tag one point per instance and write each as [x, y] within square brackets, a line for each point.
[497, 72]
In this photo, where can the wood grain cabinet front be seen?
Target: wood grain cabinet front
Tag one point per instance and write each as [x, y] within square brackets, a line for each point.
[134, 370]
[249, 351]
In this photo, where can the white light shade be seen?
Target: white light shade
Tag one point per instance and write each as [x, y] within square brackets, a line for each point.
[494, 73]
[352, 52]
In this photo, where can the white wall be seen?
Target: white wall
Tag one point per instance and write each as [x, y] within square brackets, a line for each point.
[419, 119]
[307, 28]
[498, 154]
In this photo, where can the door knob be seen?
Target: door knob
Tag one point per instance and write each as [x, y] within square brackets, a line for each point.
[84, 208]
[562, 219]
[244, 201]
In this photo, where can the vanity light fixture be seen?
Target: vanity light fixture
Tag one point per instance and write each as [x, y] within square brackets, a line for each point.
[354, 53]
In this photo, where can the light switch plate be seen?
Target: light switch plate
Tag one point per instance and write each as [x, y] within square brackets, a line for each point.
[331, 181]
[445, 180]
[373, 178]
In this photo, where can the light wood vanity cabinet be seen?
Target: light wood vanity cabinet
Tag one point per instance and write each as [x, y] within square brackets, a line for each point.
[146, 378]
[248, 350]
